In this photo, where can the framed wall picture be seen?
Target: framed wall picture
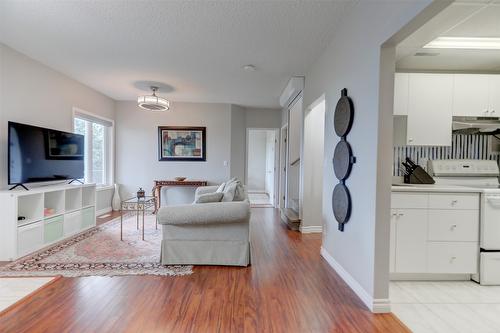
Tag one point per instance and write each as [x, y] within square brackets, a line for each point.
[182, 143]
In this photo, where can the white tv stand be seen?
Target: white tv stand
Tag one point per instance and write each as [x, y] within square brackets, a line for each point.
[74, 211]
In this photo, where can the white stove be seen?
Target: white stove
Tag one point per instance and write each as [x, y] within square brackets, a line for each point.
[484, 176]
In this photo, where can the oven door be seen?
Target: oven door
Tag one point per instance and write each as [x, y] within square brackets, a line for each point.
[490, 222]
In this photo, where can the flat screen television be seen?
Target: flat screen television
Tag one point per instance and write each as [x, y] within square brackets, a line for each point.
[37, 154]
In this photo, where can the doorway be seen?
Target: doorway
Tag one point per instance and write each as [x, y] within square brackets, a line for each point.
[314, 129]
[261, 175]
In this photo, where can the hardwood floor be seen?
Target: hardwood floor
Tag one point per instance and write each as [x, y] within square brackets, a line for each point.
[288, 288]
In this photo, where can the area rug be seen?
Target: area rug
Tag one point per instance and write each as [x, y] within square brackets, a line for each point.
[100, 251]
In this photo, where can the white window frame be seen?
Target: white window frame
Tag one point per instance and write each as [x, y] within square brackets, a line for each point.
[109, 147]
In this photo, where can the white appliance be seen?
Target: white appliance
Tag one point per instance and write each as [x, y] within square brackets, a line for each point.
[484, 176]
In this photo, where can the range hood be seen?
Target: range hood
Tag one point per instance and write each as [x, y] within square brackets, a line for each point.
[476, 125]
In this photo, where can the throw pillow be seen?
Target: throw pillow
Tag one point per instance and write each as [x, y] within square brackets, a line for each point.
[229, 192]
[220, 189]
[209, 197]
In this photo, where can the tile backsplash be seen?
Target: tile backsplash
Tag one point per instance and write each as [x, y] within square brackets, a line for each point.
[462, 147]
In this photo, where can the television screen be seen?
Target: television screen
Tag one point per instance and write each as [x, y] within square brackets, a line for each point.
[39, 154]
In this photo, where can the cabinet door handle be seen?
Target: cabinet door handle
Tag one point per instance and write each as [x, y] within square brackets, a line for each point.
[454, 202]
[492, 111]
[453, 227]
[401, 214]
[486, 111]
[452, 259]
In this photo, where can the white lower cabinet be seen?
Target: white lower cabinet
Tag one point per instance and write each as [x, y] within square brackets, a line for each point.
[436, 237]
[29, 238]
[411, 240]
[452, 257]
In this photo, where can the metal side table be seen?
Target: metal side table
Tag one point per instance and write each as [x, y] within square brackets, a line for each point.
[140, 206]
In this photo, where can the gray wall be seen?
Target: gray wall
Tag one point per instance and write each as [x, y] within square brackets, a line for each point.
[238, 142]
[33, 93]
[137, 162]
[353, 61]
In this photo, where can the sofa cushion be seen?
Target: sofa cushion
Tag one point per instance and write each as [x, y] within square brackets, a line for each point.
[229, 192]
[209, 197]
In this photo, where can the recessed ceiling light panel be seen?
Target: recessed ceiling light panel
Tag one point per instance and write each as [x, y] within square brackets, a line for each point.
[473, 43]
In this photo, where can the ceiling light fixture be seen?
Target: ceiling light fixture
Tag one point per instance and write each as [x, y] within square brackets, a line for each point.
[153, 102]
[473, 43]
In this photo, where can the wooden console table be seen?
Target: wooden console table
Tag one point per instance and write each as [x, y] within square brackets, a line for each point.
[173, 183]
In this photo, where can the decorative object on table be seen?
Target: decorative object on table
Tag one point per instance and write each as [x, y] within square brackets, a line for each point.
[116, 200]
[99, 252]
[139, 206]
[158, 184]
[141, 193]
[180, 179]
[181, 143]
[343, 159]
[415, 174]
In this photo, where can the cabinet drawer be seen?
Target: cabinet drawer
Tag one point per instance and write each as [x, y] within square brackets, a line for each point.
[454, 225]
[88, 218]
[452, 258]
[409, 200]
[29, 238]
[53, 229]
[453, 201]
[72, 223]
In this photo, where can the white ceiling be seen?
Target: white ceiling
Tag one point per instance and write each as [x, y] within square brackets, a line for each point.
[461, 19]
[196, 48]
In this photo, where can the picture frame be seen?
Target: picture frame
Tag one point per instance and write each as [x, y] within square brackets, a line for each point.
[182, 143]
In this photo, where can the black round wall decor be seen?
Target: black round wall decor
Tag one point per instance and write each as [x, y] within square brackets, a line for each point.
[344, 114]
[343, 159]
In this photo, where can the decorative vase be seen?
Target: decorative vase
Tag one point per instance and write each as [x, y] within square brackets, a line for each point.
[116, 201]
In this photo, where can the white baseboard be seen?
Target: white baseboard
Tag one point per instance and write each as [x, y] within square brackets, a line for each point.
[428, 277]
[311, 229]
[103, 211]
[382, 305]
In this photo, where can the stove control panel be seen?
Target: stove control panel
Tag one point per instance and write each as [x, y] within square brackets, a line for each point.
[463, 168]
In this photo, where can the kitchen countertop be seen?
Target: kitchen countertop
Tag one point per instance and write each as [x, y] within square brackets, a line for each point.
[433, 188]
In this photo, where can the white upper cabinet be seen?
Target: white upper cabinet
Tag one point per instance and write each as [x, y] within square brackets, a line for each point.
[430, 101]
[494, 95]
[401, 94]
[470, 95]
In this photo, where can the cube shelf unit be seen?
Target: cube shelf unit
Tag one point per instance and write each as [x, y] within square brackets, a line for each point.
[50, 214]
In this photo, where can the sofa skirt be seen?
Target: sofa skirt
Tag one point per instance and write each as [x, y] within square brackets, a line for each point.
[224, 244]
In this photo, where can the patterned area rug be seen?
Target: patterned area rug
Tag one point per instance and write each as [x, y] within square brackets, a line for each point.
[99, 251]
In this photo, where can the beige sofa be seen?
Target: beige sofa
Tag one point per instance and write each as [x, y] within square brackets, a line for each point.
[207, 233]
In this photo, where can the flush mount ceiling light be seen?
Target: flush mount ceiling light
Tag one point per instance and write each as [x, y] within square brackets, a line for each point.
[153, 102]
[477, 43]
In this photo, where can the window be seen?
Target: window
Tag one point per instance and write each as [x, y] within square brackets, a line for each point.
[98, 146]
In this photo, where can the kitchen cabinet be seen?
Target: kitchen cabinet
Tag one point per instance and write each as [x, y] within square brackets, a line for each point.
[411, 240]
[494, 95]
[430, 101]
[434, 233]
[401, 94]
[470, 95]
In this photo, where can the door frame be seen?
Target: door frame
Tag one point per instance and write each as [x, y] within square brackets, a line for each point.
[283, 160]
[274, 201]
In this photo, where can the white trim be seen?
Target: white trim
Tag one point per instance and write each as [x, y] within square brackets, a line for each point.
[428, 277]
[104, 188]
[380, 305]
[311, 229]
[103, 211]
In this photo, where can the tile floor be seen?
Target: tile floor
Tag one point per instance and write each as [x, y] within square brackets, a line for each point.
[13, 289]
[448, 306]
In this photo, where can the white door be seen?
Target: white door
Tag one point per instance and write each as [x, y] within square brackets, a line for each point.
[430, 109]
[411, 241]
[470, 95]
[283, 164]
[490, 222]
[494, 95]
[401, 94]
[270, 158]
